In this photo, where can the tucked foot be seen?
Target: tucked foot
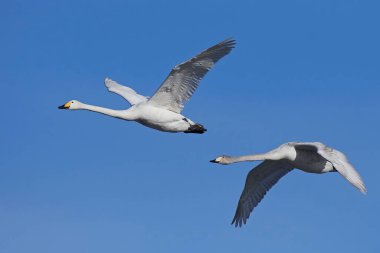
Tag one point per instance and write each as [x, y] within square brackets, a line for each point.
[196, 129]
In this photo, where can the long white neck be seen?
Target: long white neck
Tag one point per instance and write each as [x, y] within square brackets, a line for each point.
[272, 155]
[122, 114]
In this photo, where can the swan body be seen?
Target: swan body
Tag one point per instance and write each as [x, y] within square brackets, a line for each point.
[311, 157]
[163, 110]
[143, 113]
[161, 119]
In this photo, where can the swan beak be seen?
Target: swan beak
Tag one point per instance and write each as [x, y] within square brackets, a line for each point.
[213, 161]
[65, 106]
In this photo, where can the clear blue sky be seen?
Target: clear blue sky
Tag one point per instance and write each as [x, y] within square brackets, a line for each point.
[82, 182]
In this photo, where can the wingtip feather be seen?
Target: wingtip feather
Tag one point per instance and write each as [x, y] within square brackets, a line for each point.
[107, 80]
[363, 190]
[229, 40]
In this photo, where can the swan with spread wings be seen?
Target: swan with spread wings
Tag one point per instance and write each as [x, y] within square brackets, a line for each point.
[311, 157]
[163, 110]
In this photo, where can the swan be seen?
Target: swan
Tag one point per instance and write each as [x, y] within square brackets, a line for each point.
[163, 110]
[312, 157]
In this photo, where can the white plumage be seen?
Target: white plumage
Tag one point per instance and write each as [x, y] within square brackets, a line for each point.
[163, 110]
[312, 157]
[129, 94]
[184, 78]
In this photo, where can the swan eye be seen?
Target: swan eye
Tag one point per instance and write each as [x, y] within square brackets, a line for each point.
[72, 102]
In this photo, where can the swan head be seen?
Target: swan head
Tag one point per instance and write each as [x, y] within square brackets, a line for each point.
[221, 159]
[71, 105]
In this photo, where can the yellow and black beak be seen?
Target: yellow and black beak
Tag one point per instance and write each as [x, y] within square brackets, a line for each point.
[65, 106]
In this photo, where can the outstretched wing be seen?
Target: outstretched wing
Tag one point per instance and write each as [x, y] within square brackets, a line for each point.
[259, 180]
[339, 161]
[130, 95]
[184, 78]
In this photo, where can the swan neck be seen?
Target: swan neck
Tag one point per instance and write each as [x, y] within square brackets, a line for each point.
[105, 111]
[247, 158]
[272, 155]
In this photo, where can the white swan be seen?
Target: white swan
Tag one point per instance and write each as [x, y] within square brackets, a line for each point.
[163, 110]
[312, 157]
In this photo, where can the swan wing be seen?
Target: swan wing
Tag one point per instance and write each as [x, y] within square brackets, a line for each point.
[129, 94]
[184, 78]
[259, 180]
[339, 161]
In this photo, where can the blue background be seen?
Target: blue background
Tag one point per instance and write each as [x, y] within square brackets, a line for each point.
[82, 182]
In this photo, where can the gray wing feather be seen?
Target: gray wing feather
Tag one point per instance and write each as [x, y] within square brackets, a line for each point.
[339, 161]
[129, 94]
[259, 180]
[184, 78]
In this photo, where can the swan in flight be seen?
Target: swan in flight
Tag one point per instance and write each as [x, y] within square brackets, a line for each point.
[312, 157]
[163, 110]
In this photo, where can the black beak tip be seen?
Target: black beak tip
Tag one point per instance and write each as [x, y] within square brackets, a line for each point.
[213, 161]
[61, 107]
